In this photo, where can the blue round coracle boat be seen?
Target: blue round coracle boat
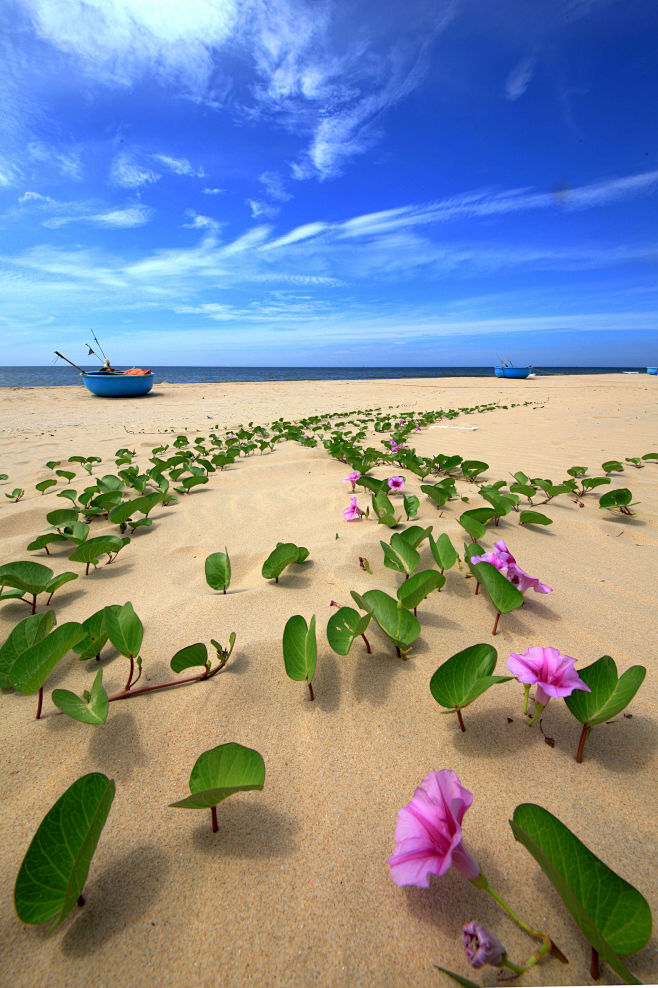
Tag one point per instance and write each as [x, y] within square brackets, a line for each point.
[117, 385]
[652, 370]
[506, 371]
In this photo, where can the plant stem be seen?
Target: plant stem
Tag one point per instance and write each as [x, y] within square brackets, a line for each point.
[310, 690]
[581, 746]
[547, 944]
[81, 901]
[477, 588]
[368, 649]
[40, 703]
[594, 966]
[130, 675]
[215, 826]
[460, 719]
[495, 627]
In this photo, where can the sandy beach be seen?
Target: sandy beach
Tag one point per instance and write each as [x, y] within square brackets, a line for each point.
[294, 888]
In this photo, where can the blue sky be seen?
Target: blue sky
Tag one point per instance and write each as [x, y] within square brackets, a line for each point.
[427, 182]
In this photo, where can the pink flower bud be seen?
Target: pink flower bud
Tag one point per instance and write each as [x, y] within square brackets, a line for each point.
[481, 946]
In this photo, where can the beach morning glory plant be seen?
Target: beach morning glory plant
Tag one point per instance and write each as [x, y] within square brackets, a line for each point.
[551, 672]
[354, 512]
[395, 483]
[352, 478]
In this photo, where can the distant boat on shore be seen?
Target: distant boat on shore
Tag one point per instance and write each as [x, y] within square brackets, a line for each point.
[509, 370]
[652, 370]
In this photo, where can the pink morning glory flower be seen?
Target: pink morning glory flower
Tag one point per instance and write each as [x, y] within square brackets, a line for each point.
[481, 946]
[428, 835]
[522, 581]
[400, 421]
[502, 550]
[491, 557]
[396, 483]
[352, 478]
[394, 446]
[551, 672]
[353, 512]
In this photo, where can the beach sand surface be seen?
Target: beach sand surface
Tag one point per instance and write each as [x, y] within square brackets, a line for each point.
[294, 888]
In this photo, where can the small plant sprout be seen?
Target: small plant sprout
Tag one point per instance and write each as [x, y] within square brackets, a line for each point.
[383, 508]
[16, 494]
[392, 617]
[464, 677]
[608, 695]
[283, 555]
[411, 505]
[91, 709]
[23, 635]
[613, 916]
[91, 550]
[300, 651]
[55, 868]
[612, 466]
[32, 579]
[344, 626]
[416, 588]
[443, 552]
[218, 570]
[620, 500]
[399, 555]
[32, 664]
[220, 773]
[551, 672]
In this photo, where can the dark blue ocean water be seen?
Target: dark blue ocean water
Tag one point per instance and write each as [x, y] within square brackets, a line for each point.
[47, 377]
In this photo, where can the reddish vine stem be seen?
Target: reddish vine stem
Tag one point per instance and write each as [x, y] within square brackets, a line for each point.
[215, 826]
[581, 746]
[40, 703]
[594, 966]
[460, 719]
[368, 649]
[130, 675]
[495, 627]
[310, 691]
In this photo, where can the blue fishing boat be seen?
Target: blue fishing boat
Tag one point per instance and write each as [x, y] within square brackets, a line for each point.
[652, 370]
[117, 385]
[507, 370]
[111, 383]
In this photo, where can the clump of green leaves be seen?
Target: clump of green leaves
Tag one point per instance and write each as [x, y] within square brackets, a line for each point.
[610, 694]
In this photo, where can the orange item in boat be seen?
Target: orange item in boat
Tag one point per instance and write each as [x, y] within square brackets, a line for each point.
[137, 371]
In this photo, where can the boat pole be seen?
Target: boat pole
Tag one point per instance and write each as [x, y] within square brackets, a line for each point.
[58, 354]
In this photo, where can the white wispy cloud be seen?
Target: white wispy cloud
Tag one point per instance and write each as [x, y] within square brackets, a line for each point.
[128, 174]
[519, 78]
[131, 216]
[37, 198]
[214, 192]
[68, 162]
[179, 166]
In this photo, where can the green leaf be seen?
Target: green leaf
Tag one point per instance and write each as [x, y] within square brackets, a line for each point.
[650, 456]
[382, 504]
[465, 676]
[110, 483]
[93, 711]
[577, 471]
[443, 551]
[613, 916]
[419, 586]
[504, 596]
[42, 541]
[43, 485]
[415, 535]
[283, 555]
[589, 483]
[91, 550]
[436, 493]
[190, 657]
[218, 570]
[457, 977]
[615, 499]
[473, 525]
[344, 626]
[95, 634]
[299, 648]
[400, 555]
[471, 468]
[62, 516]
[33, 666]
[302, 555]
[26, 633]
[59, 581]
[124, 629]
[55, 868]
[397, 623]
[221, 772]
[612, 466]
[534, 518]
[524, 489]
[26, 576]
[610, 693]
[411, 505]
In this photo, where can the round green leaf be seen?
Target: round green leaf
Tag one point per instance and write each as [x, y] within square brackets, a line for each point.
[190, 657]
[534, 518]
[55, 868]
[221, 772]
[218, 570]
[398, 623]
[33, 666]
[26, 576]
[26, 633]
[124, 629]
[504, 596]
[610, 694]
[419, 586]
[299, 648]
[283, 555]
[343, 627]
[465, 676]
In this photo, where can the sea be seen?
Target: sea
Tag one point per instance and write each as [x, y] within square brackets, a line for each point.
[62, 376]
